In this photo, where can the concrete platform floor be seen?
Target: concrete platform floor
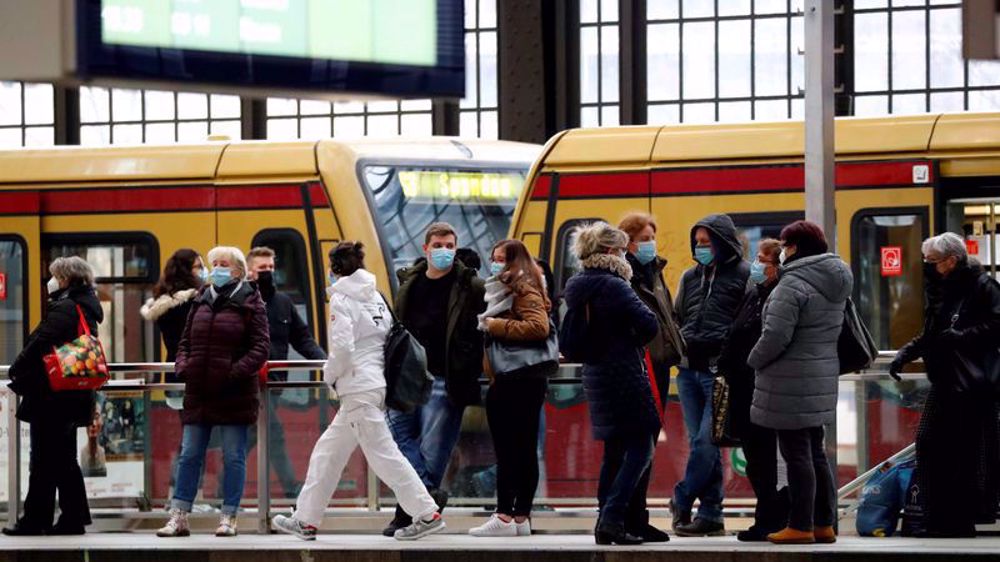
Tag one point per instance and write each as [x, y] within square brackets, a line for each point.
[142, 546]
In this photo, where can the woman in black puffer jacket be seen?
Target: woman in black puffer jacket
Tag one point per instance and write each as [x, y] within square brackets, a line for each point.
[55, 416]
[622, 411]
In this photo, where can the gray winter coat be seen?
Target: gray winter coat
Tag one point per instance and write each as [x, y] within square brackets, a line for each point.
[796, 356]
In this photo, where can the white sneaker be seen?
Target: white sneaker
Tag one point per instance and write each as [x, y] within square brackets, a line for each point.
[523, 528]
[177, 526]
[227, 526]
[495, 527]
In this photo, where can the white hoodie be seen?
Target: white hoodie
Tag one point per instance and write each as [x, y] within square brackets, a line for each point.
[359, 323]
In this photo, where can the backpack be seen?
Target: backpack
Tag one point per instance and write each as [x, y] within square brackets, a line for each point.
[883, 499]
[855, 347]
[407, 382]
[574, 335]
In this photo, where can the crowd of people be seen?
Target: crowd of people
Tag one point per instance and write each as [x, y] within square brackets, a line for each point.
[769, 328]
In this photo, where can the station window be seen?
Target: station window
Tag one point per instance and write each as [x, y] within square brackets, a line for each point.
[478, 112]
[27, 114]
[289, 119]
[599, 72]
[13, 303]
[126, 266]
[724, 61]
[908, 59]
[120, 116]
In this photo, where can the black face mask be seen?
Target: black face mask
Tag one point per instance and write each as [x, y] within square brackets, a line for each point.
[265, 281]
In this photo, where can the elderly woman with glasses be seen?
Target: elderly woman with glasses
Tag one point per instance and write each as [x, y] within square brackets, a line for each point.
[224, 345]
[959, 347]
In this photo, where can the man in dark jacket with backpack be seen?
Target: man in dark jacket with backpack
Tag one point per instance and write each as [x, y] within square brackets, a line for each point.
[707, 300]
[438, 301]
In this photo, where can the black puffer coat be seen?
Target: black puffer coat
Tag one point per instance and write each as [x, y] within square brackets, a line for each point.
[709, 296]
[39, 405]
[225, 343]
[618, 392]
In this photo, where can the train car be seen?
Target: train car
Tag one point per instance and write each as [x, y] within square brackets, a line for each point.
[127, 209]
[898, 180]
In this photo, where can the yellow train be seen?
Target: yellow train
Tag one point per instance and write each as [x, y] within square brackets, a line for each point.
[898, 180]
[128, 209]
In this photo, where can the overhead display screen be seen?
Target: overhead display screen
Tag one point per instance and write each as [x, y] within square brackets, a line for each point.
[395, 47]
[385, 31]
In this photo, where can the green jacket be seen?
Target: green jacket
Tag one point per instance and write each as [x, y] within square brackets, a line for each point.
[464, 347]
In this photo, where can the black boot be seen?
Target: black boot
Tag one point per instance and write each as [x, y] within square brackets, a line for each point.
[641, 528]
[401, 519]
[680, 518]
[701, 528]
[607, 533]
[23, 529]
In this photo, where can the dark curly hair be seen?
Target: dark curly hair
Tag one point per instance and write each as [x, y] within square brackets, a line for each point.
[347, 258]
[178, 274]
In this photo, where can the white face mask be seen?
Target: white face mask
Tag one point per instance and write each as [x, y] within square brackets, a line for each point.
[782, 257]
[52, 285]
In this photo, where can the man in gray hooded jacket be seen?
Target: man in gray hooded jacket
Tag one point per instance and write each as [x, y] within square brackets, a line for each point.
[797, 366]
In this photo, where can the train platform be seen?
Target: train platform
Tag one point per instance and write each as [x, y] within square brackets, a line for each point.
[203, 547]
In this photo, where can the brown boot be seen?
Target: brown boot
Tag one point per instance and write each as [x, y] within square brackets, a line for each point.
[789, 535]
[825, 535]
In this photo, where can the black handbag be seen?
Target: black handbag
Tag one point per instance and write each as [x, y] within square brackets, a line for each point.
[524, 358]
[722, 430]
[856, 348]
[407, 382]
[978, 371]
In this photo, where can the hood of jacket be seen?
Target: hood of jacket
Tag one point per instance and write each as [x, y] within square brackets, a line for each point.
[155, 308]
[725, 239]
[592, 281]
[359, 286]
[826, 273]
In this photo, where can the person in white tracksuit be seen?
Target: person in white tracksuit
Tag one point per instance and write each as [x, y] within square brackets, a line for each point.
[359, 323]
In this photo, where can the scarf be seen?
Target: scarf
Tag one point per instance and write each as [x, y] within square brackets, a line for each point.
[499, 299]
[615, 264]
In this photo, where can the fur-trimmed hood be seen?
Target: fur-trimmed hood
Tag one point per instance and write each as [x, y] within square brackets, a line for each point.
[155, 308]
[615, 264]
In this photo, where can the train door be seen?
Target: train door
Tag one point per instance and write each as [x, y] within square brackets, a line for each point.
[976, 219]
[19, 249]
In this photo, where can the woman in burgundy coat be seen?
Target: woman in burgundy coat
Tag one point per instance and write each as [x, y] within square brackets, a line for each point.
[224, 345]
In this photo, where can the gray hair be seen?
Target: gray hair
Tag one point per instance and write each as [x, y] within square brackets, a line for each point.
[74, 270]
[234, 255]
[597, 238]
[947, 245]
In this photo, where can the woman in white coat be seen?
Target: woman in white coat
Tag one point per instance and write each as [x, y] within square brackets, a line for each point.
[359, 323]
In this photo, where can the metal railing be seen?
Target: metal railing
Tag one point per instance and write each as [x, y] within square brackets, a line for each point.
[567, 375]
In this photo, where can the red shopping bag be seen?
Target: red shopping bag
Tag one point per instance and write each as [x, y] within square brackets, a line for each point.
[79, 364]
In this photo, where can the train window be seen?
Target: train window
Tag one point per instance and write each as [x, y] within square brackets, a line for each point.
[754, 227]
[478, 203]
[291, 275]
[126, 269]
[890, 303]
[13, 304]
[566, 263]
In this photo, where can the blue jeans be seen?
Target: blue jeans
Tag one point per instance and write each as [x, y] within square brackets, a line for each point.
[192, 461]
[624, 463]
[703, 476]
[428, 435]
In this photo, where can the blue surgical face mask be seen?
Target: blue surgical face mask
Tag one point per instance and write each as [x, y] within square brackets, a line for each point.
[442, 258]
[221, 275]
[333, 278]
[203, 274]
[758, 272]
[496, 268]
[704, 255]
[646, 252]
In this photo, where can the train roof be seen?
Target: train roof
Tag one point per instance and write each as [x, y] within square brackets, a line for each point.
[231, 160]
[651, 145]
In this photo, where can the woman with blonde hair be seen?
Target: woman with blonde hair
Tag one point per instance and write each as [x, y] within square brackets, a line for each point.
[622, 412]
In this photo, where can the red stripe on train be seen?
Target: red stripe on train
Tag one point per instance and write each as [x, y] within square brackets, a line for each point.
[19, 203]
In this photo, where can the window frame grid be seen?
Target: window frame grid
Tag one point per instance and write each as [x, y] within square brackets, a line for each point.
[599, 25]
[143, 122]
[928, 90]
[399, 113]
[477, 108]
[22, 125]
[752, 17]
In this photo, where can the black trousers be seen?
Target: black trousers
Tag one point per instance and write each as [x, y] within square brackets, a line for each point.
[948, 451]
[760, 445]
[811, 487]
[513, 407]
[53, 466]
[624, 481]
